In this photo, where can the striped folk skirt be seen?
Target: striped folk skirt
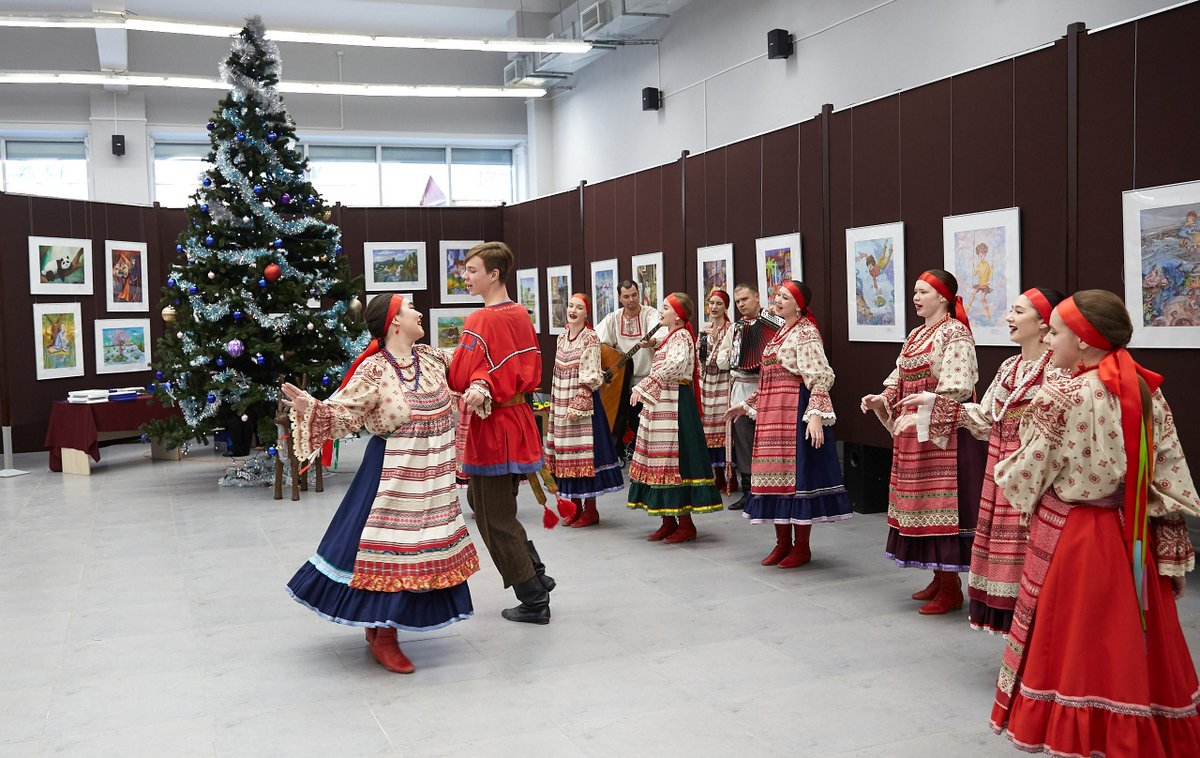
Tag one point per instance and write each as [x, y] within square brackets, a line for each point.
[671, 474]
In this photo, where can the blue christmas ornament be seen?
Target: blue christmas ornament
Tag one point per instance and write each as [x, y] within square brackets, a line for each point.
[278, 243]
[192, 289]
[210, 397]
[211, 126]
[285, 198]
[271, 451]
[337, 249]
[259, 360]
[258, 189]
[325, 380]
[167, 386]
[241, 136]
[158, 375]
[171, 283]
[207, 182]
[262, 282]
[272, 136]
[179, 248]
[220, 363]
[204, 207]
[237, 315]
[312, 200]
[149, 387]
[210, 240]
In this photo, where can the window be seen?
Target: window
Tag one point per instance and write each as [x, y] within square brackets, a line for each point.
[178, 167]
[346, 174]
[481, 176]
[415, 176]
[53, 169]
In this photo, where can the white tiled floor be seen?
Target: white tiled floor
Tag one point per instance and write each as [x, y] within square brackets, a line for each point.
[142, 612]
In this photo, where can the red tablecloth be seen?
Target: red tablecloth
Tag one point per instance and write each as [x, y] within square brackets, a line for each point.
[77, 425]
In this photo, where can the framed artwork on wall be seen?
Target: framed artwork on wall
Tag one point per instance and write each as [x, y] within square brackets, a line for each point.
[394, 265]
[125, 276]
[648, 273]
[558, 293]
[605, 278]
[122, 345]
[983, 251]
[875, 285]
[60, 266]
[778, 259]
[529, 294]
[453, 262]
[446, 326]
[1162, 264]
[58, 340]
[714, 270]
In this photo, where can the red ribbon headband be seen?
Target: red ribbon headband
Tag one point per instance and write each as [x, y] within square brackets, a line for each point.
[1040, 303]
[796, 294]
[956, 304]
[678, 308]
[587, 303]
[376, 344]
[721, 294]
[1077, 323]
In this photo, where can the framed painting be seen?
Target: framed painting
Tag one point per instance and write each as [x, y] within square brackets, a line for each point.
[1162, 264]
[983, 251]
[125, 276]
[714, 271]
[446, 326]
[530, 295]
[60, 266]
[394, 266]
[558, 294]
[122, 345]
[648, 273]
[875, 284]
[58, 340]
[777, 259]
[605, 278]
[453, 263]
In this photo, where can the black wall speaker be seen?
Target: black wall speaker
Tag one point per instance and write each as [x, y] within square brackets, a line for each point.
[651, 99]
[118, 144]
[779, 44]
[867, 471]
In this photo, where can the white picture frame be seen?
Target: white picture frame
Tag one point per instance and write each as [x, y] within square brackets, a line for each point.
[876, 301]
[60, 266]
[446, 325]
[1161, 235]
[714, 270]
[558, 294]
[452, 258]
[647, 271]
[605, 289]
[983, 251]
[123, 345]
[57, 340]
[777, 258]
[389, 266]
[125, 277]
[529, 294]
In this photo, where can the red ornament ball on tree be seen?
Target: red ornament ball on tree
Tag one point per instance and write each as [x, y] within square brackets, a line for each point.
[272, 272]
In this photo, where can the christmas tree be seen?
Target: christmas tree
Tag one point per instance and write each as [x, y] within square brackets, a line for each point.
[256, 254]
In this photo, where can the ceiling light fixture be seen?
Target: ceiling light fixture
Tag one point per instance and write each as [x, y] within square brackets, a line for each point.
[303, 88]
[167, 26]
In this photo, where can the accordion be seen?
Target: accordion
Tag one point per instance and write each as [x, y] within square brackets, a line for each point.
[749, 339]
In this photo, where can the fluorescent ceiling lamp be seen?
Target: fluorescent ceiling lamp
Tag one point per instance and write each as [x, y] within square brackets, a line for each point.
[136, 23]
[306, 88]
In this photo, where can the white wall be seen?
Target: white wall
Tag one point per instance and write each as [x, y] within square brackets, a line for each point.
[719, 86]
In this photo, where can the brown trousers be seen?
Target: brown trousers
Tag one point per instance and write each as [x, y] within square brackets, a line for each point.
[494, 501]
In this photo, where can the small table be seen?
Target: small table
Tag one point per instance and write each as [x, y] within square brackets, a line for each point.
[76, 430]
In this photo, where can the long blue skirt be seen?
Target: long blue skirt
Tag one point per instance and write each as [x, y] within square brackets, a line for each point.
[608, 469]
[323, 583]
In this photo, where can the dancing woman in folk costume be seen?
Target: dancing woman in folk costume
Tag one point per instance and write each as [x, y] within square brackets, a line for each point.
[933, 494]
[396, 554]
[1001, 534]
[1096, 663]
[716, 342]
[579, 446]
[793, 482]
[670, 475]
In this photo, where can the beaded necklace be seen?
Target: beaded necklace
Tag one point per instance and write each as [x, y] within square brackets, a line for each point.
[416, 364]
[1019, 392]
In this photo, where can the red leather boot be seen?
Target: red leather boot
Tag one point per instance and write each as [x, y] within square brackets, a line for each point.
[669, 526]
[949, 596]
[686, 531]
[387, 651]
[783, 543]
[931, 590]
[574, 517]
[589, 517]
[800, 554]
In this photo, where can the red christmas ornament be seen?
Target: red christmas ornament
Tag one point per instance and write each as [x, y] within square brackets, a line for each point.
[272, 272]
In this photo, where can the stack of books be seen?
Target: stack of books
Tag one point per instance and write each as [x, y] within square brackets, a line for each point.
[124, 394]
[88, 396]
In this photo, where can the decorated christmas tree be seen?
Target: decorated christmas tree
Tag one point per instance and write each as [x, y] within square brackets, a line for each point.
[260, 292]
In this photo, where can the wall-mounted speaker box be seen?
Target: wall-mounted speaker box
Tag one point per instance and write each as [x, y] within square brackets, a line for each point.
[118, 144]
[867, 470]
[651, 99]
[779, 44]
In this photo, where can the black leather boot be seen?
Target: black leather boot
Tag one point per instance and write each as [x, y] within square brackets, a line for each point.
[539, 568]
[535, 602]
[741, 503]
